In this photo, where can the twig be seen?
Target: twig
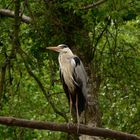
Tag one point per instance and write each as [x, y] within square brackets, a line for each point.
[93, 5]
[98, 38]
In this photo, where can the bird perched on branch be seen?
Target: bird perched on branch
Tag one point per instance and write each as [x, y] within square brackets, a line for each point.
[73, 77]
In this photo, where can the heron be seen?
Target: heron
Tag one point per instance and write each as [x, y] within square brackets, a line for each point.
[73, 77]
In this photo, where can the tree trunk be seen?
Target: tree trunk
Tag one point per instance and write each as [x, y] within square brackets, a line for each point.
[92, 115]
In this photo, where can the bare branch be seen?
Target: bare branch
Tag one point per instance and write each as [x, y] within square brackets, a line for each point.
[98, 38]
[15, 45]
[68, 128]
[93, 5]
[9, 13]
[44, 91]
[2, 78]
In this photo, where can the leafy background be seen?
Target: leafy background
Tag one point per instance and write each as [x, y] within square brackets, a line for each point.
[108, 36]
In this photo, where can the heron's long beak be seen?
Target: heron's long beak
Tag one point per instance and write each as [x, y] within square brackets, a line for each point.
[56, 49]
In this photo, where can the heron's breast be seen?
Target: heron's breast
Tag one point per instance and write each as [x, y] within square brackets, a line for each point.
[68, 78]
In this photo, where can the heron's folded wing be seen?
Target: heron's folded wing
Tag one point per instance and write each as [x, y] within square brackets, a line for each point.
[79, 73]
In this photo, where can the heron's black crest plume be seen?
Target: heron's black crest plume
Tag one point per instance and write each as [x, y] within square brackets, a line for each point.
[63, 46]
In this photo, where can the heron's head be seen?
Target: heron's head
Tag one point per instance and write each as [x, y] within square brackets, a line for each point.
[62, 48]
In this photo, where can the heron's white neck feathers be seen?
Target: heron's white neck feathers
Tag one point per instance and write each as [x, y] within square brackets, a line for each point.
[66, 68]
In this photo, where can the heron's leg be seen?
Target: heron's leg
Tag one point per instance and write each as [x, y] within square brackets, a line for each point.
[77, 113]
[70, 103]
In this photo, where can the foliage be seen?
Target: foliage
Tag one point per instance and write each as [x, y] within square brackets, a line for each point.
[121, 83]
[108, 36]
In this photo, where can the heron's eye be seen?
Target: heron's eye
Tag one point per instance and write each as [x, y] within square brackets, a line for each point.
[65, 46]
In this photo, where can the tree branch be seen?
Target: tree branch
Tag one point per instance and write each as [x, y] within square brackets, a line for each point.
[68, 128]
[98, 39]
[16, 16]
[9, 13]
[30, 72]
[93, 5]
[26, 19]
[2, 78]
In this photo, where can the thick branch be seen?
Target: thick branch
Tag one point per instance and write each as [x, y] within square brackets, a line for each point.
[93, 5]
[69, 128]
[9, 13]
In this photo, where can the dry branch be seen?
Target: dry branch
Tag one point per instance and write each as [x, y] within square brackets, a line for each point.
[9, 13]
[68, 128]
[93, 5]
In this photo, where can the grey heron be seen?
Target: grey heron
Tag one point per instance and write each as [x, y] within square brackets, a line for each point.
[73, 77]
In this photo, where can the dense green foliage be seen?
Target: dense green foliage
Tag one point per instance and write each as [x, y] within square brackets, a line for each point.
[108, 36]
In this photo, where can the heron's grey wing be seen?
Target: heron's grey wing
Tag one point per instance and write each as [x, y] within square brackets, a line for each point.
[79, 74]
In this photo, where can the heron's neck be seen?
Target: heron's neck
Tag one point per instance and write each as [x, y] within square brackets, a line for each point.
[64, 58]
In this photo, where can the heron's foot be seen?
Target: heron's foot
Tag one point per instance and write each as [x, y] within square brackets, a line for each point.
[78, 126]
[68, 125]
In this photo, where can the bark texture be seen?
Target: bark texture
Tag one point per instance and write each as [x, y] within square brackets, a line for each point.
[92, 116]
[69, 128]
